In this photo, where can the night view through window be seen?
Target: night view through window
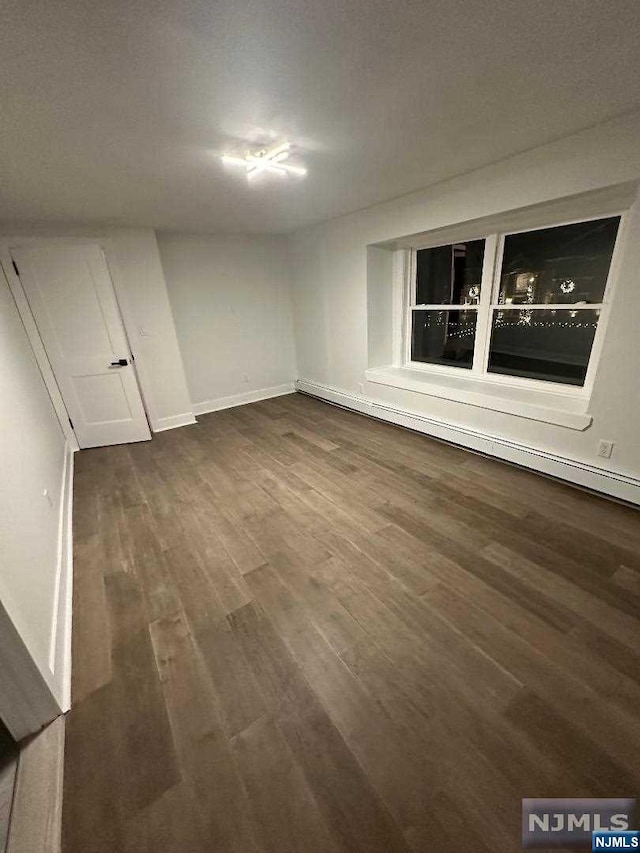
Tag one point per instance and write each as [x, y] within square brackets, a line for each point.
[566, 269]
[543, 320]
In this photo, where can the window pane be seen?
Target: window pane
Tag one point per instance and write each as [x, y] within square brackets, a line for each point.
[567, 264]
[449, 275]
[543, 343]
[443, 337]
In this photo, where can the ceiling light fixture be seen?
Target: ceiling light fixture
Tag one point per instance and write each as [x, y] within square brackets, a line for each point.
[267, 160]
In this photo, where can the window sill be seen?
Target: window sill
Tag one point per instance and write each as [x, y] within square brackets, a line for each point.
[559, 408]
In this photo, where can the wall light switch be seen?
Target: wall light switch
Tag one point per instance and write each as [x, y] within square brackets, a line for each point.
[143, 331]
[605, 449]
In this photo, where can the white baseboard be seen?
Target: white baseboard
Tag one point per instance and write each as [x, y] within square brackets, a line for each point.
[60, 644]
[621, 486]
[161, 424]
[240, 399]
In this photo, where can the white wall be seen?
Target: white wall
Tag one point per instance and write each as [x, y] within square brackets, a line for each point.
[32, 460]
[136, 271]
[231, 303]
[330, 289]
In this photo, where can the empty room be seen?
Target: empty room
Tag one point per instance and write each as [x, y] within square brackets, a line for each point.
[319, 426]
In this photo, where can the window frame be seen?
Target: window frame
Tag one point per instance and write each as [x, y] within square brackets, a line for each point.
[488, 303]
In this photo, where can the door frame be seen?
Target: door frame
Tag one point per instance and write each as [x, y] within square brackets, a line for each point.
[7, 244]
[27, 702]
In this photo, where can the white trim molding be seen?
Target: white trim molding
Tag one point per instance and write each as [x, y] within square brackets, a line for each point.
[240, 399]
[616, 485]
[172, 422]
[60, 645]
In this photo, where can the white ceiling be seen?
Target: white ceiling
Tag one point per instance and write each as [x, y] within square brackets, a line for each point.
[114, 110]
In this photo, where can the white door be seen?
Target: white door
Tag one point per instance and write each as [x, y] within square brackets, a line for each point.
[74, 306]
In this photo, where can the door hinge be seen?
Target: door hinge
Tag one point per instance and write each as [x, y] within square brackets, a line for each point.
[71, 422]
[15, 266]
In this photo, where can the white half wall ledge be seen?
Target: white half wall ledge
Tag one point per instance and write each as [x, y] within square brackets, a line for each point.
[220, 403]
[611, 483]
[172, 422]
[413, 380]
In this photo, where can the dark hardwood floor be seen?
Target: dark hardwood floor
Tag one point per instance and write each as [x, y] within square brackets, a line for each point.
[298, 629]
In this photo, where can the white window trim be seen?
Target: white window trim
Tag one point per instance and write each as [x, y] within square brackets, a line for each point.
[490, 285]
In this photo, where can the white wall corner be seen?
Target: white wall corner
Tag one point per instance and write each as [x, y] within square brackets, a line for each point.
[220, 403]
[612, 483]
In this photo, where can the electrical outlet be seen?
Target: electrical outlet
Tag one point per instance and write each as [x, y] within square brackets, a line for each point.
[605, 449]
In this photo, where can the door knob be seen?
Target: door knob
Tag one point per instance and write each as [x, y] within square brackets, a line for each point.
[121, 362]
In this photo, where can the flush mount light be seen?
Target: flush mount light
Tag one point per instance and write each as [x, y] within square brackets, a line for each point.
[267, 160]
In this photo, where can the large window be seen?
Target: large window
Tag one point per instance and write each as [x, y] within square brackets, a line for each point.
[523, 305]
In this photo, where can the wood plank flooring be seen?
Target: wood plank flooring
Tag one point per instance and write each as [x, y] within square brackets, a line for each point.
[298, 629]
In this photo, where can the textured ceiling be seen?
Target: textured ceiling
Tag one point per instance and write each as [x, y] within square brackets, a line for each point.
[115, 111]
